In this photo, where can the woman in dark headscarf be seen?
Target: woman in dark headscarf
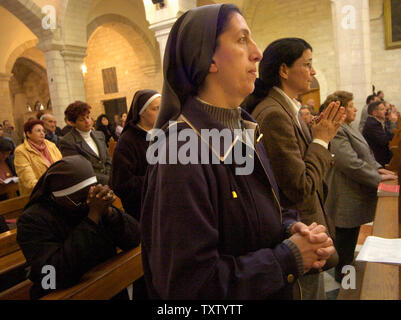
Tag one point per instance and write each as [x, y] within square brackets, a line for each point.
[103, 124]
[207, 231]
[129, 159]
[65, 224]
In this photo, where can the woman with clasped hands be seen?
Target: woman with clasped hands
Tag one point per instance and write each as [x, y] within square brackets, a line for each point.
[300, 162]
[208, 232]
[70, 224]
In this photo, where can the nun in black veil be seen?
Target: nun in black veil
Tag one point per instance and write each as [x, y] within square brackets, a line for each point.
[208, 229]
[70, 224]
[129, 159]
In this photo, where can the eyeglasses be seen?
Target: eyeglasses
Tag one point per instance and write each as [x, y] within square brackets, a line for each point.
[79, 204]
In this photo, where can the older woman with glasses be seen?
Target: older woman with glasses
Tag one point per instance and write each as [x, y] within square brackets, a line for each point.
[352, 182]
[34, 156]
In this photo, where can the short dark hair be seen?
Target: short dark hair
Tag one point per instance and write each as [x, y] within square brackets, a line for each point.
[373, 106]
[370, 98]
[76, 109]
[31, 123]
[5, 145]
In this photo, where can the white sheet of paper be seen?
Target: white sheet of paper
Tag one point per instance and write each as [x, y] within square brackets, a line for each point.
[376, 249]
[12, 179]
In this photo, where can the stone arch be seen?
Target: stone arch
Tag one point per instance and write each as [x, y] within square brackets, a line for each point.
[28, 85]
[143, 50]
[29, 14]
[73, 15]
[17, 52]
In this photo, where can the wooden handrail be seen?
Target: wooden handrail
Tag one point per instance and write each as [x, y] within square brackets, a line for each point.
[8, 242]
[382, 281]
[12, 261]
[11, 189]
[105, 280]
[12, 208]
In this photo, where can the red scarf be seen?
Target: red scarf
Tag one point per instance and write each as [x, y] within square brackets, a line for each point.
[43, 151]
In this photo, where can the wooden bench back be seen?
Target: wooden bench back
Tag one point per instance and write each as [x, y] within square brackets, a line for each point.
[106, 279]
[18, 292]
[11, 189]
[382, 281]
[112, 146]
[8, 242]
[12, 208]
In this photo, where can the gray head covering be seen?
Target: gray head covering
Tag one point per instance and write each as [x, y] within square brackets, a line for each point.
[187, 58]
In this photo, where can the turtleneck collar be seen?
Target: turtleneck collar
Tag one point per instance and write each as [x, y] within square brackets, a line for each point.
[231, 118]
[83, 133]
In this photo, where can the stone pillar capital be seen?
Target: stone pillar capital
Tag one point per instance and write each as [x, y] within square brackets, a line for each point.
[73, 53]
[5, 76]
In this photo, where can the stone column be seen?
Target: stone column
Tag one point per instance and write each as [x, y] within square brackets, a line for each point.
[64, 76]
[6, 106]
[162, 30]
[161, 19]
[73, 59]
[352, 46]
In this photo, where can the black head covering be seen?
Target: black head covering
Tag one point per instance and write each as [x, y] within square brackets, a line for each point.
[139, 100]
[62, 174]
[185, 68]
[99, 121]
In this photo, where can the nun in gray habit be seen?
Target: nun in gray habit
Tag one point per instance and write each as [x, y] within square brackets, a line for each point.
[207, 232]
[55, 229]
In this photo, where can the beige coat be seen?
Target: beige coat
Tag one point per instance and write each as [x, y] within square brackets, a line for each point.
[299, 166]
[30, 165]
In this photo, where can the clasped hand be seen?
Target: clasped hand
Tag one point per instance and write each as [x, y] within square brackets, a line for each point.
[325, 126]
[313, 243]
[99, 200]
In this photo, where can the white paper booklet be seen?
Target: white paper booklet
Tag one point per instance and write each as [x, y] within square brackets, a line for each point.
[376, 249]
[8, 180]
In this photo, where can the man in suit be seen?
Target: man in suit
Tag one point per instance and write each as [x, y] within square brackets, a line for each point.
[375, 133]
[82, 140]
[49, 122]
[364, 114]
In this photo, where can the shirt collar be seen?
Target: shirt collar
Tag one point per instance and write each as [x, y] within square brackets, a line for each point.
[292, 102]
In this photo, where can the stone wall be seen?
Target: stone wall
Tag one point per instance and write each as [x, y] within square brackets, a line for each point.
[109, 48]
[310, 20]
[386, 64]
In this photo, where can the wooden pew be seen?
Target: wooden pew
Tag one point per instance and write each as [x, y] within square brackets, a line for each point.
[12, 258]
[112, 146]
[100, 283]
[382, 281]
[11, 189]
[12, 208]
[105, 280]
[21, 291]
